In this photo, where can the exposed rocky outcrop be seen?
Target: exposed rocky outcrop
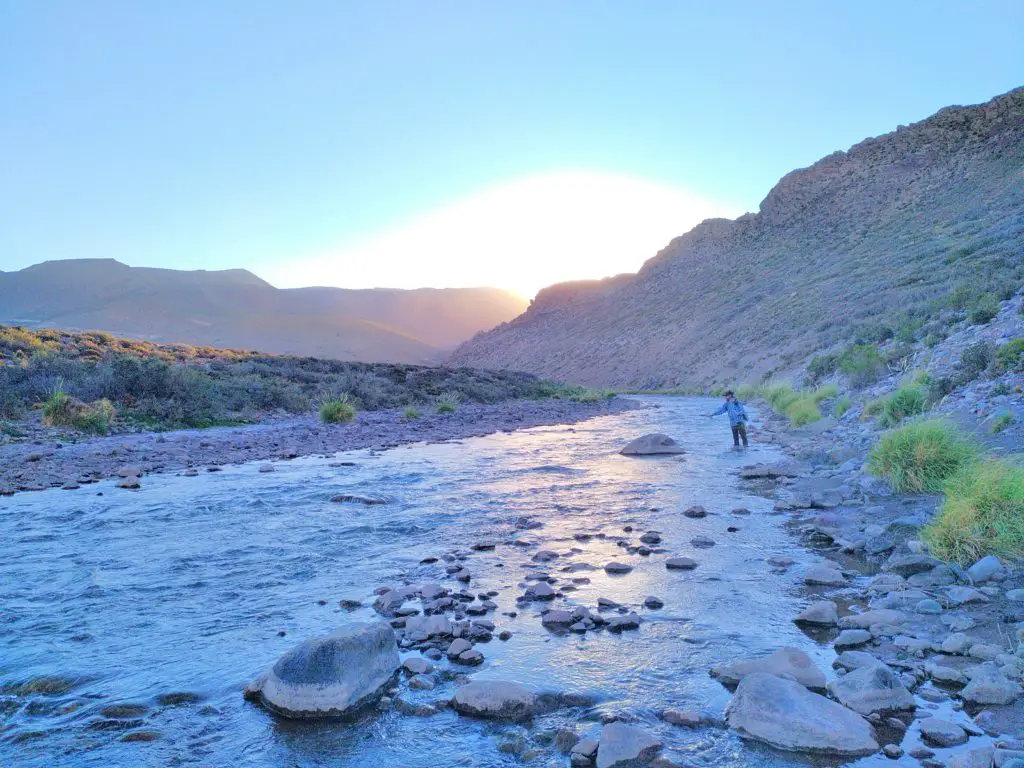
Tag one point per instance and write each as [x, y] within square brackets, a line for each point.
[924, 205]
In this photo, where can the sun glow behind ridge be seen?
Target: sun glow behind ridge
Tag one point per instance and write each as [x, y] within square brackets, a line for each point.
[520, 236]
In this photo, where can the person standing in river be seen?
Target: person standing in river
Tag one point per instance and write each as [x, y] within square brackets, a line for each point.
[737, 418]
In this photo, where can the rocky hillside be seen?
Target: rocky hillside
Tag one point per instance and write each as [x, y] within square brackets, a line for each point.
[866, 243]
[235, 308]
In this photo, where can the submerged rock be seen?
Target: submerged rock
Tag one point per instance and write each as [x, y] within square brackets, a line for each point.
[680, 564]
[495, 700]
[652, 445]
[785, 715]
[331, 676]
[788, 662]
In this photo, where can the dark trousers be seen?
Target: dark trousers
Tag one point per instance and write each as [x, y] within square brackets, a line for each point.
[739, 431]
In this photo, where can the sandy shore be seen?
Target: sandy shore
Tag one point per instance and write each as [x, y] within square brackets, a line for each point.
[47, 461]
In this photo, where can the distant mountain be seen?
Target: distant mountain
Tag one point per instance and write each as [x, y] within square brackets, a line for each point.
[234, 308]
[871, 240]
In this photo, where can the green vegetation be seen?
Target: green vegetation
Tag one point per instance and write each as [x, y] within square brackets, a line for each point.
[905, 402]
[802, 407]
[1001, 422]
[62, 410]
[1010, 355]
[841, 406]
[983, 513]
[862, 363]
[585, 395]
[411, 413]
[448, 402]
[921, 456]
[337, 410]
[974, 361]
[168, 386]
[983, 309]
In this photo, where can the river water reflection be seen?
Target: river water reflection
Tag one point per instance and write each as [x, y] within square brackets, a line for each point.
[142, 615]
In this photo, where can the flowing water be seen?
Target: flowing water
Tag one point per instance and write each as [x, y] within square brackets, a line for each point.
[113, 604]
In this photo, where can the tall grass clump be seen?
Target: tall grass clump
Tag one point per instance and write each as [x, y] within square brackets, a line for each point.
[448, 402]
[902, 404]
[921, 456]
[337, 410]
[62, 410]
[411, 413]
[862, 363]
[983, 514]
[803, 412]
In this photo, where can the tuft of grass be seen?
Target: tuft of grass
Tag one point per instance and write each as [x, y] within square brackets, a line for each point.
[823, 393]
[411, 413]
[337, 410]
[1001, 422]
[62, 410]
[901, 404]
[842, 405]
[921, 456]
[448, 402]
[983, 514]
[803, 412]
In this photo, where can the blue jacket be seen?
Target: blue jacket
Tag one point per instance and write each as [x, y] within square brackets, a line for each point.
[735, 410]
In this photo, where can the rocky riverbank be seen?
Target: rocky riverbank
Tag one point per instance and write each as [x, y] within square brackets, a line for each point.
[930, 653]
[46, 459]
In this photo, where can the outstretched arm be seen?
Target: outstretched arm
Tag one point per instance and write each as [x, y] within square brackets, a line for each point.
[719, 412]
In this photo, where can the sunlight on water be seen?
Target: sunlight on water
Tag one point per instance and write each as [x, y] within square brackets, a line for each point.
[171, 599]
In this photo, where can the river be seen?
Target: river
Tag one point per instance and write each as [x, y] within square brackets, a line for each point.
[111, 597]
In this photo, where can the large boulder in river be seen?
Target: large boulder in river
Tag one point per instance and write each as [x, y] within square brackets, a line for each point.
[332, 676]
[785, 715]
[785, 662]
[495, 700]
[872, 689]
[652, 445]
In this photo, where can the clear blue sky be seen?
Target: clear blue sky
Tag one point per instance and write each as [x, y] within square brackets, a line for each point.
[247, 133]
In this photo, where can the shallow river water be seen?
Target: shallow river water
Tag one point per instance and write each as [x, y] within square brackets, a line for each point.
[127, 598]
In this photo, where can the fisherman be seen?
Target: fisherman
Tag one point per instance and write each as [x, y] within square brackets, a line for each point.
[737, 418]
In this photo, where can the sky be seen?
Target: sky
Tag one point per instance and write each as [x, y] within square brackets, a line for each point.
[440, 143]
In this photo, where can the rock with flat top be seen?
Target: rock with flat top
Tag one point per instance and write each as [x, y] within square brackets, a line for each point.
[332, 676]
[652, 445]
[785, 662]
[625, 746]
[785, 715]
[820, 614]
[942, 733]
[495, 700]
[871, 690]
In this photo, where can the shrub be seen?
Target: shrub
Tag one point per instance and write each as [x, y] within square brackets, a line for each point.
[1011, 355]
[939, 388]
[337, 410]
[862, 363]
[983, 514]
[585, 395]
[95, 418]
[62, 410]
[921, 456]
[822, 366]
[983, 309]
[1002, 388]
[411, 413]
[901, 404]
[448, 402]
[780, 395]
[1001, 422]
[874, 407]
[842, 405]
[803, 411]
[975, 360]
